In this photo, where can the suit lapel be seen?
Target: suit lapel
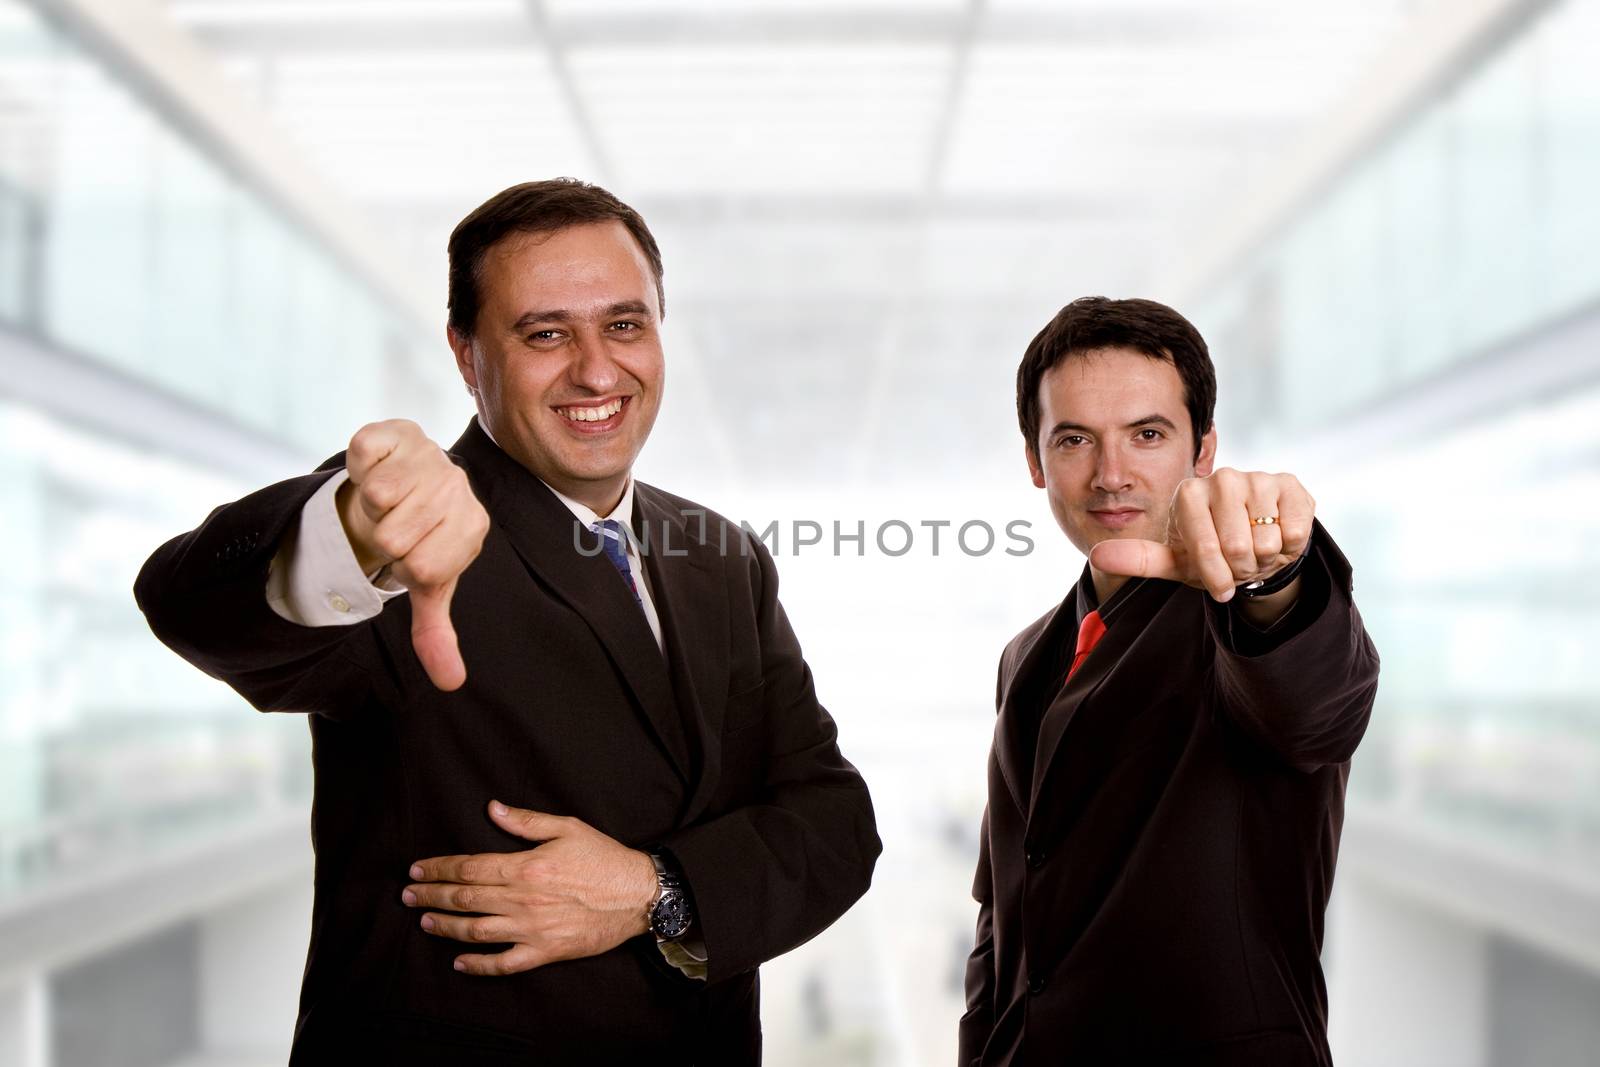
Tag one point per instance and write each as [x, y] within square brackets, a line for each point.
[693, 605]
[1026, 690]
[1126, 615]
[547, 536]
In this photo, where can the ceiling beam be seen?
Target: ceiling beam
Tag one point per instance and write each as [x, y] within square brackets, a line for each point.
[950, 105]
[842, 28]
[111, 403]
[880, 380]
[555, 49]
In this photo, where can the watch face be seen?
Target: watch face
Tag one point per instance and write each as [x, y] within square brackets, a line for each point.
[671, 918]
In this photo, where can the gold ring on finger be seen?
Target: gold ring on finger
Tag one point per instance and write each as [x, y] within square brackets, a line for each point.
[1265, 520]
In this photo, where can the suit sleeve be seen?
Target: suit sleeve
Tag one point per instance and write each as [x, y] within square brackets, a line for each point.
[769, 876]
[1305, 687]
[204, 594]
[978, 1022]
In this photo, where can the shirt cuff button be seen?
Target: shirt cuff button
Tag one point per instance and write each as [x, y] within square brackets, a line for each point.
[338, 603]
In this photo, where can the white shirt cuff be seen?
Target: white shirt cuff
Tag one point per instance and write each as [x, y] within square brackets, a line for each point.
[687, 956]
[314, 579]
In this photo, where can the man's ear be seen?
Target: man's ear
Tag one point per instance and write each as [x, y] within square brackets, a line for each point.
[1034, 467]
[462, 347]
[1206, 461]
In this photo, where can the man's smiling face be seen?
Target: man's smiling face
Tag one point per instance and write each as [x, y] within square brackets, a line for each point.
[566, 359]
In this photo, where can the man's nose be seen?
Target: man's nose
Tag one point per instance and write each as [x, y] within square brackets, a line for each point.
[1111, 471]
[593, 369]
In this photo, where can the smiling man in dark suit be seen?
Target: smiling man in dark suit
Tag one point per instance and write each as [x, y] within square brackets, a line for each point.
[1166, 784]
[561, 723]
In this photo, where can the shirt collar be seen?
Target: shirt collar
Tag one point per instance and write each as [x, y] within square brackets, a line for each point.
[622, 513]
[1087, 601]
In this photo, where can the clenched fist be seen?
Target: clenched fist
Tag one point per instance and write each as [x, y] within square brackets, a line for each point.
[406, 505]
[1225, 529]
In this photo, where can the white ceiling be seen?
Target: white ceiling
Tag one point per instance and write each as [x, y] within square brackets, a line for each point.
[869, 206]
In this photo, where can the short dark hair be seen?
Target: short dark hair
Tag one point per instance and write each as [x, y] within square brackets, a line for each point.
[1092, 322]
[533, 207]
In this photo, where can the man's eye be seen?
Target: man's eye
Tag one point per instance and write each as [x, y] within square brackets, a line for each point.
[1151, 435]
[625, 327]
[1071, 440]
[543, 335]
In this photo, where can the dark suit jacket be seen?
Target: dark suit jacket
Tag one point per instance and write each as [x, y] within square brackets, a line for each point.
[719, 751]
[1159, 843]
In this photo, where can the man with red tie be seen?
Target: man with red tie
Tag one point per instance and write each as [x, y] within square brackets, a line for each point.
[1166, 783]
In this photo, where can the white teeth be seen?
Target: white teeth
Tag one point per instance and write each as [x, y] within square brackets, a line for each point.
[604, 411]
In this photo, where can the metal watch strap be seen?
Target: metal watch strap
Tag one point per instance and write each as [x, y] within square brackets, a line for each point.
[666, 877]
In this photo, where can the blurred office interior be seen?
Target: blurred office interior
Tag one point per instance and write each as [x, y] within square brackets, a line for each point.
[222, 229]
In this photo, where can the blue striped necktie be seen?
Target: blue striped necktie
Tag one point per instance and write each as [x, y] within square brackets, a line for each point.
[612, 541]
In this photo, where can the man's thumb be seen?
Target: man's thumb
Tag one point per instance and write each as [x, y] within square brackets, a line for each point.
[1135, 559]
[434, 638]
[533, 825]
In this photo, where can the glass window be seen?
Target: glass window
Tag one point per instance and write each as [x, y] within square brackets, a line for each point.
[257, 337]
[1474, 222]
[157, 260]
[99, 245]
[1467, 729]
[1494, 211]
[1569, 96]
[16, 215]
[1353, 312]
[1310, 353]
[153, 257]
[27, 59]
[142, 748]
[191, 270]
[314, 418]
[1417, 186]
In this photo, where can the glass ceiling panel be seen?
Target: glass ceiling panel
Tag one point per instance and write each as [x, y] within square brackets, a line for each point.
[425, 125]
[769, 119]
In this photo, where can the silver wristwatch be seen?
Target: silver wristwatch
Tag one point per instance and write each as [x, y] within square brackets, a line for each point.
[672, 914]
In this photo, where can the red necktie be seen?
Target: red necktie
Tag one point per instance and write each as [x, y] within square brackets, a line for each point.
[1090, 631]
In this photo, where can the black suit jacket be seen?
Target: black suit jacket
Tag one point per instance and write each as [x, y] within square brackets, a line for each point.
[1159, 843]
[718, 751]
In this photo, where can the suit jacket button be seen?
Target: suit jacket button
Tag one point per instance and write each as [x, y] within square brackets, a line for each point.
[1036, 985]
[1035, 859]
